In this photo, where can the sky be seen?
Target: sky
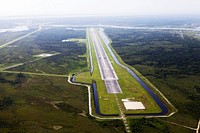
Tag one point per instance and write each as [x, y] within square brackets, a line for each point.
[98, 7]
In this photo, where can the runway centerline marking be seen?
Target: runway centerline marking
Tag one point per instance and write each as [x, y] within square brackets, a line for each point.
[106, 69]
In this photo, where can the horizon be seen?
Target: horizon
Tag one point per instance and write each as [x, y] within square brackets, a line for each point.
[34, 8]
[160, 16]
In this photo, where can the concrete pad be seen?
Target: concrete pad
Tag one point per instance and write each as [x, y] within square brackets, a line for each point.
[44, 55]
[125, 100]
[133, 105]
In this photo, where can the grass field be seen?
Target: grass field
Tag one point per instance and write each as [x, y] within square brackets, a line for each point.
[130, 87]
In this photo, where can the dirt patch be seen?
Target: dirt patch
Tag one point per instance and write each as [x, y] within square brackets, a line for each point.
[57, 127]
[83, 113]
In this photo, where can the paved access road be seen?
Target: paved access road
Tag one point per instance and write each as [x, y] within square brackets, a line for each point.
[15, 40]
[107, 72]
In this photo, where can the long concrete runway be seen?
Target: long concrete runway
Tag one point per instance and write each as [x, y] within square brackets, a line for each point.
[107, 72]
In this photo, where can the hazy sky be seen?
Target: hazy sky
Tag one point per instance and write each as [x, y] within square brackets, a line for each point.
[98, 7]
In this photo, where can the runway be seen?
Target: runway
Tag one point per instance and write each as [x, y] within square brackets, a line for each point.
[106, 70]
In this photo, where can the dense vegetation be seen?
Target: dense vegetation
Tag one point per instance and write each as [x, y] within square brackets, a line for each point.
[138, 125]
[159, 50]
[47, 104]
[48, 41]
[169, 61]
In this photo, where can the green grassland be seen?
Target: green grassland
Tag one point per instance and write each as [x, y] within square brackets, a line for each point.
[130, 87]
[41, 104]
[107, 101]
[167, 60]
